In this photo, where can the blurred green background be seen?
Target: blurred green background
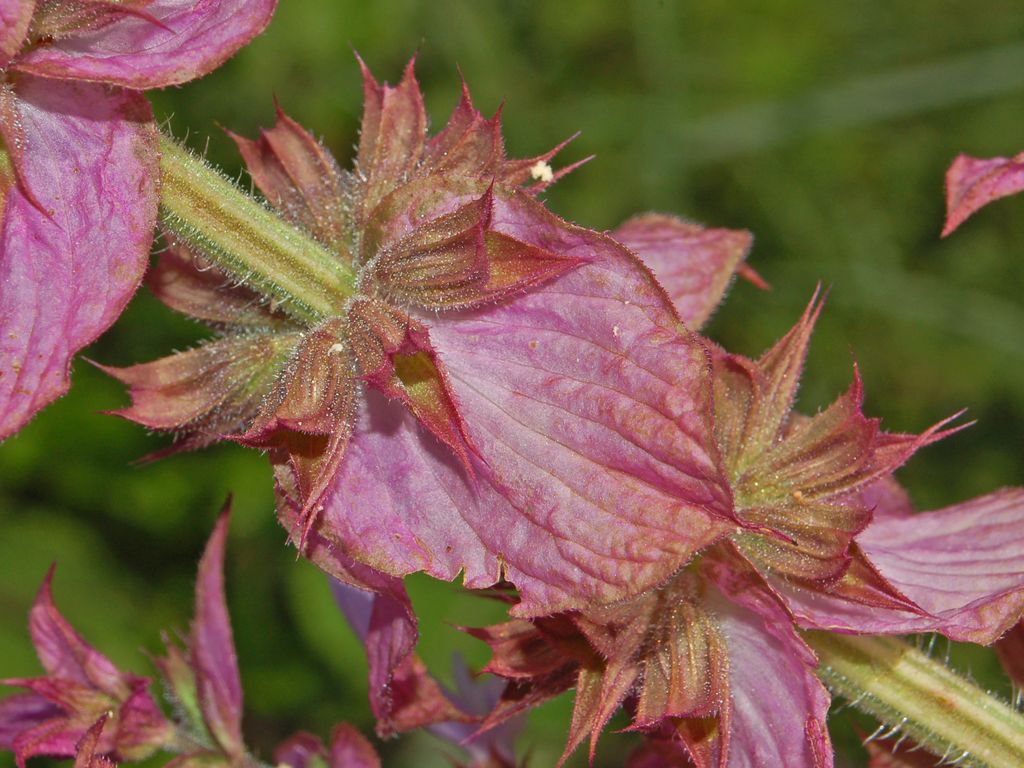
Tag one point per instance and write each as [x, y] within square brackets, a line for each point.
[824, 127]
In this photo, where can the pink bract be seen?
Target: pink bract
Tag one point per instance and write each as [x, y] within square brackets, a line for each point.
[972, 183]
[695, 264]
[79, 168]
[961, 565]
[167, 42]
[77, 224]
[825, 536]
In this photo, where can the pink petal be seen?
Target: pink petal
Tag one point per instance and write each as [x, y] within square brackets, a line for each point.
[964, 565]
[392, 134]
[384, 620]
[299, 750]
[403, 695]
[192, 38]
[778, 705]
[350, 749]
[592, 415]
[15, 16]
[213, 648]
[65, 275]
[22, 711]
[973, 183]
[695, 264]
[64, 654]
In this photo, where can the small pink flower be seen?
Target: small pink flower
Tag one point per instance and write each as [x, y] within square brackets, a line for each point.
[79, 172]
[349, 749]
[80, 686]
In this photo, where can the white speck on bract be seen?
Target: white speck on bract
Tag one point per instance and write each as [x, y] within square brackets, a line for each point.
[336, 349]
[541, 171]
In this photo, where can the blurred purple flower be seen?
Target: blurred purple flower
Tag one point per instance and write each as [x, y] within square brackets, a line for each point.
[349, 749]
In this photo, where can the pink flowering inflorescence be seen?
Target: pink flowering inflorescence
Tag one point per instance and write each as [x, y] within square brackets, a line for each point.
[499, 394]
[86, 708]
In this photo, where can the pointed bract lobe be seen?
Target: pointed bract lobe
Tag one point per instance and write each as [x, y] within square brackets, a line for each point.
[394, 149]
[393, 353]
[73, 253]
[392, 135]
[168, 43]
[694, 264]
[212, 648]
[184, 281]
[85, 752]
[972, 183]
[206, 393]
[457, 261]
[795, 479]
[299, 177]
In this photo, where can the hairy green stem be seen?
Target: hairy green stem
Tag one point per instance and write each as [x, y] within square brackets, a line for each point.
[922, 698]
[247, 240]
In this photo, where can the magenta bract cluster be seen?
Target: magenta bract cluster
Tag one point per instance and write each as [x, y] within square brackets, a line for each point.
[506, 396]
[517, 399]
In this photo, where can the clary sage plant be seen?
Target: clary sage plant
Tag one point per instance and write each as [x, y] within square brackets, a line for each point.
[449, 378]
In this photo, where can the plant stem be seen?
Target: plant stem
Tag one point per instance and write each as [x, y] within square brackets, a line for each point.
[911, 692]
[248, 241]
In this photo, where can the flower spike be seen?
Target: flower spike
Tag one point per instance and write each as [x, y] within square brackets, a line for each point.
[482, 330]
